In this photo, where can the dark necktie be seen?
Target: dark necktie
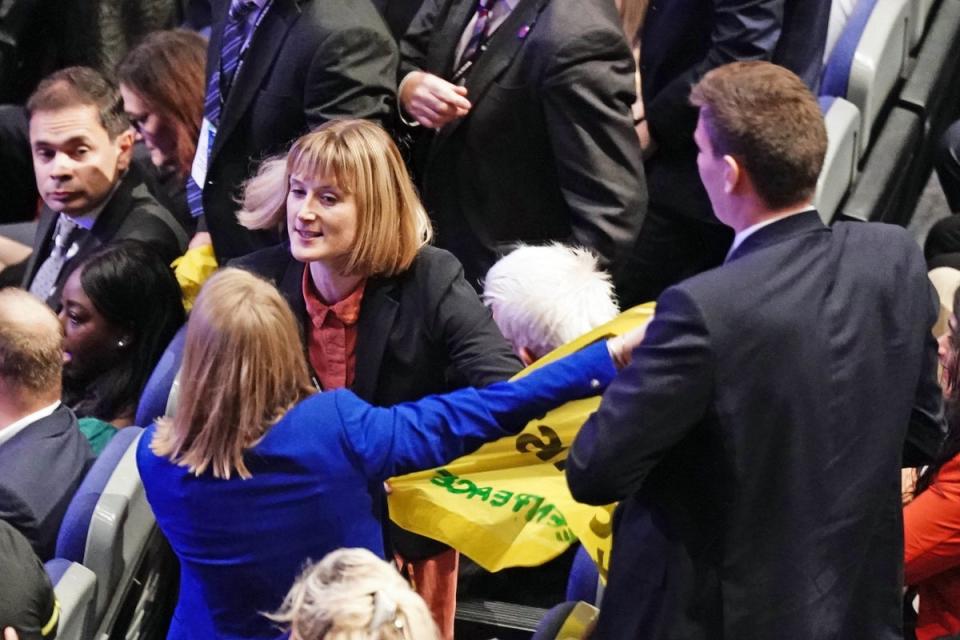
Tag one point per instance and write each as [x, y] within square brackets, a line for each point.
[46, 278]
[231, 46]
[482, 30]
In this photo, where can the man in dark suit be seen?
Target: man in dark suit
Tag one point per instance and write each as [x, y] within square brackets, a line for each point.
[681, 40]
[82, 144]
[767, 412]
[43, 455]
[295, 65]
[526, 128]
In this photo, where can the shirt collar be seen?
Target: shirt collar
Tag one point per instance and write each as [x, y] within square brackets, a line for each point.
[88, 219]
[749, 231]
[16, 427]
[346, 311]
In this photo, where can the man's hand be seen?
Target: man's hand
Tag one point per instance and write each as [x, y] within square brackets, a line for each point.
[431, 100]
[621, 347]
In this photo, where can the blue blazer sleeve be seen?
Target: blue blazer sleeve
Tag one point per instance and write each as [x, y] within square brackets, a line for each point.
[432, 431]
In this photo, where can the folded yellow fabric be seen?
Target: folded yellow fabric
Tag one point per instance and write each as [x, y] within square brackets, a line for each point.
[192, 270]
[507, 504]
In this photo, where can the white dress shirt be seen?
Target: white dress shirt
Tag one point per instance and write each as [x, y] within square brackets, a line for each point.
[12, 429]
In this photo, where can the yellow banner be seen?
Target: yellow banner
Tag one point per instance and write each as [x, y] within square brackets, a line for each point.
[507, 504]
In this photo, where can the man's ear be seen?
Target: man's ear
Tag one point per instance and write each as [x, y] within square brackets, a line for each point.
[124, 144]
[526, 356]
[732, 174]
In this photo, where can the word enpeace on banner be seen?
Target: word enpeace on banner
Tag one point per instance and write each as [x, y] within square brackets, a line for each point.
[507, 504]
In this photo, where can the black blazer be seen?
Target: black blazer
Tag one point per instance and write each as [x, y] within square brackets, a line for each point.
[40, 470]
[421, 332]
[130, 214]
[764, 419]
[309, 61]
[684, 39]
[548, 151]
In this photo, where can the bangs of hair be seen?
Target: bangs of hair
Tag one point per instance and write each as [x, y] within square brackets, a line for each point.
[243, 369]
[324, 156]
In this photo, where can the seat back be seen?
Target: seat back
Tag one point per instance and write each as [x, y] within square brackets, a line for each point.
[868, 59]
[584, 578]
[919, 13]
[75, 588]
[104, 522]
[842, 121]
[153, 400]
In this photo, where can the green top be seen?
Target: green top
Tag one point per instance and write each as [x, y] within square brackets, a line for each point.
[97, 432]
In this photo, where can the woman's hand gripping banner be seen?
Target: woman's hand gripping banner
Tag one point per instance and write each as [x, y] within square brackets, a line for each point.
[507, 504]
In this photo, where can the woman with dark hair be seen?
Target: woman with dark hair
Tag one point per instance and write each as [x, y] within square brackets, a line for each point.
[162, 84]
[121, 307]
[931, 522]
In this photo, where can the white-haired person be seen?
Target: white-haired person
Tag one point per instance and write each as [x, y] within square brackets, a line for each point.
[381, 311]
[353, 595]
[544, 296]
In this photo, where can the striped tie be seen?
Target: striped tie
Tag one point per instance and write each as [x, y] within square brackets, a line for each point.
[480, 31]
[234, 35]
[44, 282]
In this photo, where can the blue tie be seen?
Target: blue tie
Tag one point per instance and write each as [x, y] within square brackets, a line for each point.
[234, 35]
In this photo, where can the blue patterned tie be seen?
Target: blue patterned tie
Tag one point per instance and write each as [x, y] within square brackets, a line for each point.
[234, 35]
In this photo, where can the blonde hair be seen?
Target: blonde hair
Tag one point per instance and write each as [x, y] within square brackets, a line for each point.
[392, 225]
[243, 369]
[353, 595]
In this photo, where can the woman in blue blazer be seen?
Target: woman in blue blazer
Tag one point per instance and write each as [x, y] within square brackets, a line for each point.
[256, 473]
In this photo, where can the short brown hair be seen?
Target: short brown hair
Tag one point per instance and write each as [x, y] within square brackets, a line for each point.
[243, 369]
[392, 225]
[767, 118]
[78, 87]
[167, 71]
[31, 344]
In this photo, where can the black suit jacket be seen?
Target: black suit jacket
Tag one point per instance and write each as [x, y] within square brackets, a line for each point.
[412, 329]
[309, 61]
[548, 151]
[764, 419]
[684, 39]
[40, 470]
[130, 214]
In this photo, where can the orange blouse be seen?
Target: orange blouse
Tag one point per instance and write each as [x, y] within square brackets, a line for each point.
[931, 528]
[332, 335]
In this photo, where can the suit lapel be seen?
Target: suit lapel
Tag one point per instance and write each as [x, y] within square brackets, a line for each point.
[501, 49]
[264, 47]
[779, 231]
[377, 313]
[443, 48]
[41, 244]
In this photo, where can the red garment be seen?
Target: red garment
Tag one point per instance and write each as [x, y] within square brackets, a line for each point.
[332, 339]
[931, 527]
[435, 580]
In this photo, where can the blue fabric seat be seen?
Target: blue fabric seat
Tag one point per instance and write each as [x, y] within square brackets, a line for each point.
[153, 400]
[108, 521]
[868, 59]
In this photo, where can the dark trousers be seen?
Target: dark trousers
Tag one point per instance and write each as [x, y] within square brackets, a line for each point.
[947, 163]
[942, 247]
[17, 182]
[669, 249]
